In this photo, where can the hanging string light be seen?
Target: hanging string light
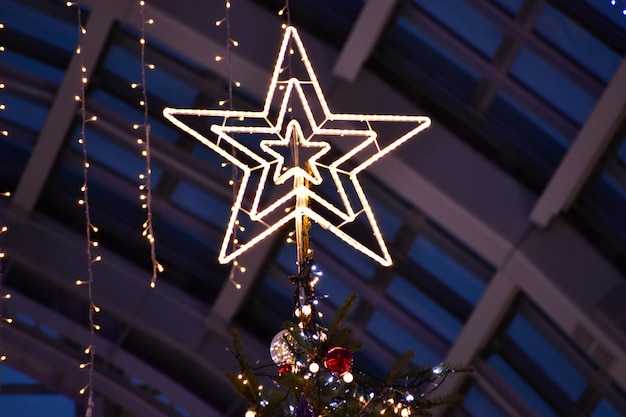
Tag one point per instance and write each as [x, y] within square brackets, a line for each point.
[235, 180]
[145, 186]
[90, 228]
[3, 132]
[4, 295]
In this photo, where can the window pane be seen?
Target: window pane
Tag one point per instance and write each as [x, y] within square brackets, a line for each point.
[404, 49]
[202, 204]
[553, 86]
[424, 308]
[577, 43]
[28, 405]
[527, 394]
[33, 23]
[511, 6]
[552, 362]
[478, 404]
[605, 409]
[451, 273]
[397, 339]
[466, 23]
[13, 377]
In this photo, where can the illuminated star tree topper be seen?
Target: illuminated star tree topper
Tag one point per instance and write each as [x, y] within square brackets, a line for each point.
[298, 159]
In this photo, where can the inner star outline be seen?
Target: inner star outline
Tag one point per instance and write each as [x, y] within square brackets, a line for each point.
[226, 140]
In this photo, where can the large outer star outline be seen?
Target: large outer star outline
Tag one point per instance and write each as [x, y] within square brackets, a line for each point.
[226, 138]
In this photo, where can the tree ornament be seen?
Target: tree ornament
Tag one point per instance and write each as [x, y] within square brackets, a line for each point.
[338, 360]
[283, 348]
[284, 368]
[305, 409]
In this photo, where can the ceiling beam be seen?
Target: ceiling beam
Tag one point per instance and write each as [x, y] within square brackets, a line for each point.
[582, 157]
[363, 37]
[62, 112]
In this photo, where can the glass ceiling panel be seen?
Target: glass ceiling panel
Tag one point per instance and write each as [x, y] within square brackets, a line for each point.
[388, 222]
[355, 260]
[521, 387]
[13, 377]
[118, 159]
[621, 151]
[22, 112]
[30, 404]
[553, 86]
[159, 83]
[545, 141]
[406, 47]
[133, 114]
[552, 362]
[577, 43]
[31, 22]
[447, 269]
[421, 306]
[336, 290]
[533, 142]
[193, 243]
[32, 66]
[331, 20]
[544, 367]
[511, 6]
[478, 404]
[29, 46]
[201, 204]
[605, 409]
[467, 23]
[399, 340]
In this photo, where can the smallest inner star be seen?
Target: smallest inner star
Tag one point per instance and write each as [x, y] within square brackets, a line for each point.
[301, 169]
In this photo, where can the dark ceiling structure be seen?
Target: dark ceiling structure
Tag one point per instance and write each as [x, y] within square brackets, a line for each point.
[506, 220]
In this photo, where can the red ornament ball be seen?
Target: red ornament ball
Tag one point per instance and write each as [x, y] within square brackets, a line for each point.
[284, 368]
[338, 360]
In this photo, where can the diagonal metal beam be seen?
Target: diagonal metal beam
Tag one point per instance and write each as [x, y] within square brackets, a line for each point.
[583, 155]
[363, 37]
[62, 112]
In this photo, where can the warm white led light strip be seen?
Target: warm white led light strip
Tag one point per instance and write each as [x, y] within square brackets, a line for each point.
[226, 138]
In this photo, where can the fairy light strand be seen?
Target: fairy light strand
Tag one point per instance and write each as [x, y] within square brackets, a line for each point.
[90, 350]
[146, 177]
[287, 13]
[4, 295]
[293, 87]
[234, 181]
[3, 132]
